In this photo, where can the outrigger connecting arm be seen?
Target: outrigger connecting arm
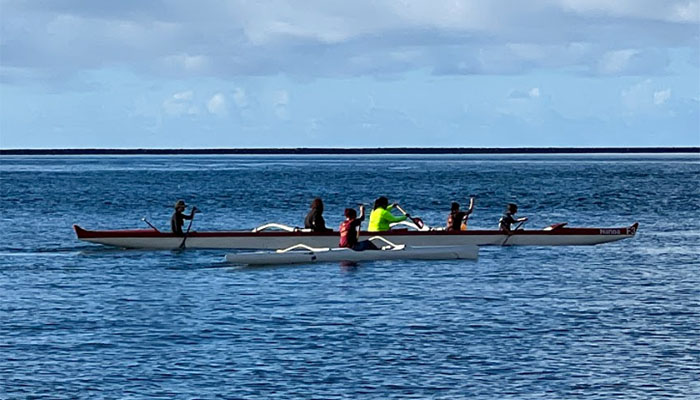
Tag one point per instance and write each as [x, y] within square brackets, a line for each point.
[304, 247]
[275, 225]
[391, 245]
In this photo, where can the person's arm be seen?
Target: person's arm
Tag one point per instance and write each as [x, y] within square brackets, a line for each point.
[320, 223]
[471, 205]
[174, 227]
[194, 210]
[308, 220]
[362, 213]
[388, 216]
[505, 222]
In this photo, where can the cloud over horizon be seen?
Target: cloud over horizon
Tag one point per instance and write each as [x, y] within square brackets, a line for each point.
[336, 73]
[61, 38]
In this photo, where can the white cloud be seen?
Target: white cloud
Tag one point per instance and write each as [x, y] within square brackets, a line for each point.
[661, 96]
[244, 38]
[180, 104]
[217, 105]
[240, 98]
[615, 62]
[669, 11]
[529, 94]
[643, 97]
[184, 96]
[187, 63]
[280, 101]
[280, 98]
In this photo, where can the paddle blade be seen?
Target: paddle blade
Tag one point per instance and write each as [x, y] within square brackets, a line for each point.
[419, 222]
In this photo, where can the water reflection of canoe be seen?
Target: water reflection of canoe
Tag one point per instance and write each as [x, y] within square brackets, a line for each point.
[303, 254]
[276, 236]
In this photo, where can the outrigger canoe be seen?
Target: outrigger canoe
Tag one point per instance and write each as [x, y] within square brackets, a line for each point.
[277, 236]
[303, 254]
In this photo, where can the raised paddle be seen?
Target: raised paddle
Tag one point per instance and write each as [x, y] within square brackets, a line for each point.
[419, 222]
[189, 226]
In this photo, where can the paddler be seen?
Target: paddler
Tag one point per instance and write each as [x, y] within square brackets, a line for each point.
[508, 218]
[350, 231]
[314, 219]
[179, 217]
[381, 215]
[457, 220]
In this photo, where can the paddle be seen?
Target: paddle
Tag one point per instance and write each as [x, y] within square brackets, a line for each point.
[189, 226]
[510, 233]
[149, 224]
[362, 207]
[419, 222]
[520, 224]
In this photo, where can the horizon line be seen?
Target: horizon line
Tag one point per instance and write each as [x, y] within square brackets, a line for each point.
[352, 150]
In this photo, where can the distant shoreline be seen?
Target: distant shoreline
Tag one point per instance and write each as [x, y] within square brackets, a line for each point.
[379, 150]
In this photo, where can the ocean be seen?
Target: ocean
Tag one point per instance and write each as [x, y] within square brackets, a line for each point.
[618, 320]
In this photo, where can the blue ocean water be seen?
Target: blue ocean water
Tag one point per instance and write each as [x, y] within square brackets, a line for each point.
[619, 320]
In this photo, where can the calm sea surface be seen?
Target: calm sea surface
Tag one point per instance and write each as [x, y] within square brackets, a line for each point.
[618, 320]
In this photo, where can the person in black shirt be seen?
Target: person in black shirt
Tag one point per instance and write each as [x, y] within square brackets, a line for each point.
[457, 220]
[508, 218]
[178, 218]
[314, 219]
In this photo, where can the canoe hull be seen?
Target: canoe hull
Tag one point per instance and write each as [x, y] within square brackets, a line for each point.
[470, 252]
[151, 239]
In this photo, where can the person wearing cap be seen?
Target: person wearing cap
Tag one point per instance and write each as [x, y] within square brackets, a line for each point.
[508, 218]
[179, 217]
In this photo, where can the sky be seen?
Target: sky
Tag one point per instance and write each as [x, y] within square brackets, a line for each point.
[337, 73]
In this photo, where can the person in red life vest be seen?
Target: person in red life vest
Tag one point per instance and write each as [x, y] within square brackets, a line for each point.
[457, 220]
[350, 231]
[314, 219]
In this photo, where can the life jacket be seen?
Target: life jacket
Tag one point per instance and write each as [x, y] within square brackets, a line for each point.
[348, 236]
[457, 221]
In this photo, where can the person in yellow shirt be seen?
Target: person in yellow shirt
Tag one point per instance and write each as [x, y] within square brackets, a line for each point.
[381, 216]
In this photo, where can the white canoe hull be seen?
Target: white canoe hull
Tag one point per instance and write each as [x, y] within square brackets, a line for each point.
[150, 239]
[469, 252]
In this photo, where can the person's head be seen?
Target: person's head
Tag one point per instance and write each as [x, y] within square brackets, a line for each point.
[317, 203]
[454, 207]
[180, 205]
[350, 213]
[512, 208]
[381, 202]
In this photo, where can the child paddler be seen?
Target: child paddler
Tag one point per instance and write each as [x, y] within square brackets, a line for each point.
[350, 231]
[457, 220]
[381, 216]
[508, 218]
[314, 219]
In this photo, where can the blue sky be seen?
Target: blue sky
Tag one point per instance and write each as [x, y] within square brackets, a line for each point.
[183, 74]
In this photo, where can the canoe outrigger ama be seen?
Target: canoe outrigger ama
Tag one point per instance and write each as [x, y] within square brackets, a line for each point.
[274, 236]
[303, 254]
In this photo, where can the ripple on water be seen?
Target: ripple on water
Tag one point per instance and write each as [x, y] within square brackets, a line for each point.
[619, 320]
